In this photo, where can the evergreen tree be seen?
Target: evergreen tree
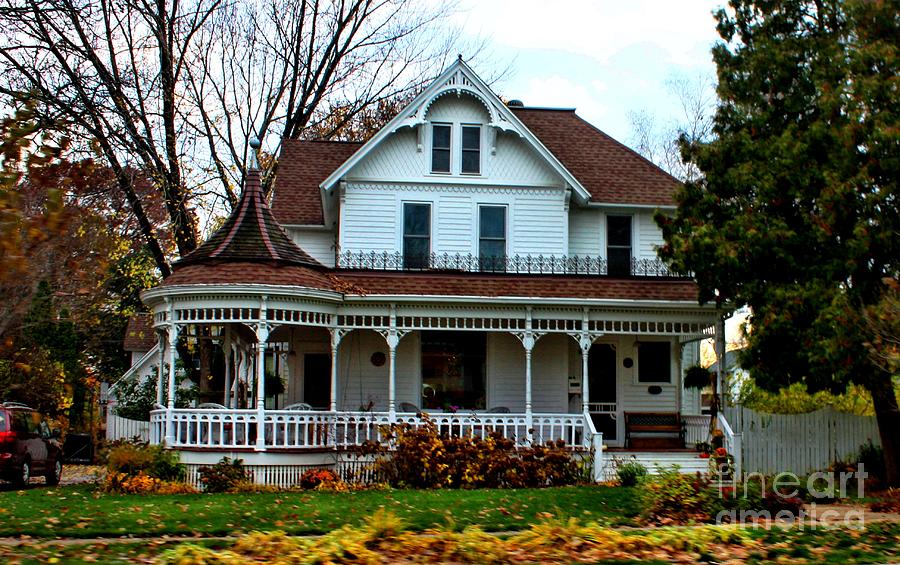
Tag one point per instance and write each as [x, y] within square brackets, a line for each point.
[797, 213]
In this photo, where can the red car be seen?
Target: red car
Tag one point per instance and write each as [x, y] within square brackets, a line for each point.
[28, 447]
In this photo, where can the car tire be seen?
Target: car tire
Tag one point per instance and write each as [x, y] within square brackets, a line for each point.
[24, 475]
[54, 474]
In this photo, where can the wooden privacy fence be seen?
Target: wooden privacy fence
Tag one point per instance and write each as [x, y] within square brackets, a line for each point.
[123, 428]
[799, 443]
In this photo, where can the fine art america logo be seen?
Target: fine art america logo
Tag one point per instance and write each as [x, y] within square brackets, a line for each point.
[783, 498]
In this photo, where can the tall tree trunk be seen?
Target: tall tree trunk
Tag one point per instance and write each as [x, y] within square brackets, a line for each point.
[887, 414]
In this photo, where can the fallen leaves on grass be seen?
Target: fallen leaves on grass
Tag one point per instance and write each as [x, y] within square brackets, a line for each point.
[383, 539]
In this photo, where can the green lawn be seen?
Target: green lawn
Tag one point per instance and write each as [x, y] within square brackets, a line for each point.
[878, 543]
[80, 511]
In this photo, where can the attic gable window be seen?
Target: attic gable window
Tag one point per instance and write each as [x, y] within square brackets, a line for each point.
[440, 148]
[471, 150]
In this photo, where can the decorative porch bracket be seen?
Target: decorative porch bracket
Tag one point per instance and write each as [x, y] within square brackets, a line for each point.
[392, 336]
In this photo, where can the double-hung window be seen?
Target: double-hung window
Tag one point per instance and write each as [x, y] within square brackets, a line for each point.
[492, 238]
[471, 150]
[655, 362]
[618, 245]
[440, 148]
[416, 235]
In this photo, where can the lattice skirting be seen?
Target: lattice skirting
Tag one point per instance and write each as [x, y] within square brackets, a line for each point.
[351, 469]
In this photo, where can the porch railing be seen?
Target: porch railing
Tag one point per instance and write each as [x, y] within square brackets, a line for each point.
[696, 429]
[512, 264]
[195, 428]
[732, 443]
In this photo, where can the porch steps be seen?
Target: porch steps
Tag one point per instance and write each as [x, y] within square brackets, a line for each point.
[688, 462]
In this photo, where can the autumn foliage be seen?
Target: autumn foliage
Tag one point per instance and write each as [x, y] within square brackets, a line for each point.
[423, 457]
[383, 539]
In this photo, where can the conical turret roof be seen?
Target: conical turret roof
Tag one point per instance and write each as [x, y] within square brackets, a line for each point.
[251, 233]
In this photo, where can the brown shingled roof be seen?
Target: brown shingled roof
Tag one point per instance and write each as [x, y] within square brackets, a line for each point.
[609, 170]
[244, 272]
[139, 335]
[250, 233]
[540, 286]
[302, 167]
[438, 284]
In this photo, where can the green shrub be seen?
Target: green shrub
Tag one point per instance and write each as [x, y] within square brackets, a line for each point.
[136, 398]
[424, 458]
[630, 473]
[670, 496]
[872, 457]
[132, 458]
[225, 476]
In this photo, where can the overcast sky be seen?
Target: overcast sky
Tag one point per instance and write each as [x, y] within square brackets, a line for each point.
[603, 57]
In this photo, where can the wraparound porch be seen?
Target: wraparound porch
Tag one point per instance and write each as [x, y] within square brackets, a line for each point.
[563, 370]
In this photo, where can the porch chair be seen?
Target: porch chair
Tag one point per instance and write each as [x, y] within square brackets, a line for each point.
[409, 407]
[499, 410]
[298, 406]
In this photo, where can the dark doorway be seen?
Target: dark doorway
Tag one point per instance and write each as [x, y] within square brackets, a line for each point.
[602, 387]
[317, 380]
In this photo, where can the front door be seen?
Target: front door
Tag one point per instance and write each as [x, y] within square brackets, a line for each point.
[317, 380]
[602, 389]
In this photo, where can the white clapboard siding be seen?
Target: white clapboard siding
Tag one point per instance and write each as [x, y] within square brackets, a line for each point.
[370, 220]
[549, 387]
[318, 243]
[584, 232]
[506, 369]
[455, 226]
[649, 236]
[123, 428]
[799, 443]
[539, 223]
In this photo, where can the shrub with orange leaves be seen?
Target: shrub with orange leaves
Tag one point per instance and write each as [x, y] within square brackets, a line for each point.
[142, 483]
[424, 457]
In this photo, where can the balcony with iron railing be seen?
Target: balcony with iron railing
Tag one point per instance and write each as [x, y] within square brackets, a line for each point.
[584, 265]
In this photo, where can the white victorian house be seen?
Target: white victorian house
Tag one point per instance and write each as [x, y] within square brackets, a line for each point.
[490, 264]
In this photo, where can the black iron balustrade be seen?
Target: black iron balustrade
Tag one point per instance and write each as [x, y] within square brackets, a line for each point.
[514, 264]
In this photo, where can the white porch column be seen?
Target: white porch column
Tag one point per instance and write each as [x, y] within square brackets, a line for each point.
[528, 339]
[720, 358]
[262, 335]
[161, 368]
[679, 373]
[336, 336]
[528, 342]
[584, 343]
[170, 403]
[392, 340]
[229, 366]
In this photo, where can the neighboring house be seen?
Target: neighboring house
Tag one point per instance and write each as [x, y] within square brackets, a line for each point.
[493, 265]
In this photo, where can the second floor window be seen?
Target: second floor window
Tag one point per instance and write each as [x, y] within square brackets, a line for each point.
[471, 150]
[492, 237]
[618, 245]
[440, 148]
[416, 235]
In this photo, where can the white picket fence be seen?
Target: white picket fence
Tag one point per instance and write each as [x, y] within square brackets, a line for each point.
[799, 443]
[123, 428]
